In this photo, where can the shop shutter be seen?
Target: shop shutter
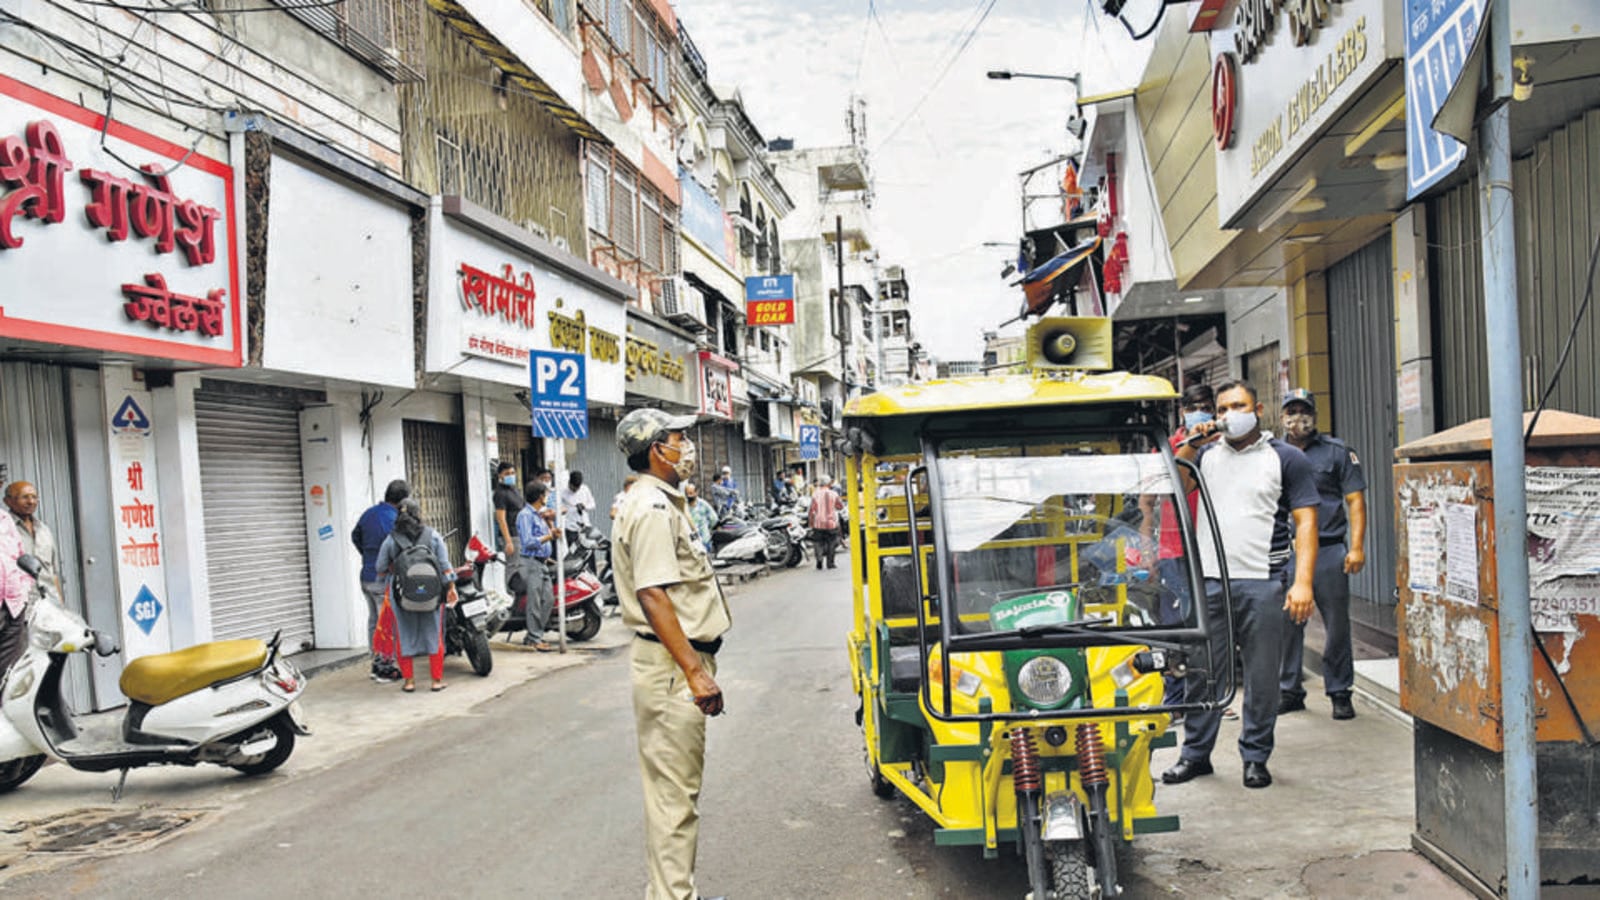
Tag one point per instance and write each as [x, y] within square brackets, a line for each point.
[603, 468]
[35, 446]
[1362, 354]
[253, 493]
[436, 467]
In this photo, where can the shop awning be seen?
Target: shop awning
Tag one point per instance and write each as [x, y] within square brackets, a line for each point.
[519, 74]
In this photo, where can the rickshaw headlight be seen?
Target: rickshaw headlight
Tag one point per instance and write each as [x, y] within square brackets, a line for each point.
[1044, 680]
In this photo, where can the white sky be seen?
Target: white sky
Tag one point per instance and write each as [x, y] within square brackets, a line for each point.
[946, 171]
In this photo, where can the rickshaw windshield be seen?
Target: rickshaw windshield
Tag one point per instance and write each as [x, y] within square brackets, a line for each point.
[1079, 531]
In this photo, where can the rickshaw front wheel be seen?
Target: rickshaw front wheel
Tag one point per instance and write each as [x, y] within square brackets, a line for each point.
[881, 787]
[1070, 875]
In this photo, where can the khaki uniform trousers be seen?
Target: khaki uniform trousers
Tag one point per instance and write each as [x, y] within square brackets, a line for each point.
[672, 753]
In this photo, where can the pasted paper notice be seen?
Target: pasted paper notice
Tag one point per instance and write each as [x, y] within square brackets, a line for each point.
[1461, 552]
[1563, 546]
[1422, 549]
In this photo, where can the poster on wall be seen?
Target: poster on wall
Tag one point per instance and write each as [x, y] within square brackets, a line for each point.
[141, 574]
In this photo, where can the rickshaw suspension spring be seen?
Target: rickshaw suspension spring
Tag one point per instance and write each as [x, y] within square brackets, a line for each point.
[1024, 761]
[1091, 755]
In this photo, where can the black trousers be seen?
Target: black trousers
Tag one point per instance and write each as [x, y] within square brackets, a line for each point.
[827, 542]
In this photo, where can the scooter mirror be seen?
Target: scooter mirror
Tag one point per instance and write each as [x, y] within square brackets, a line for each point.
[30, 564]
[105, 644]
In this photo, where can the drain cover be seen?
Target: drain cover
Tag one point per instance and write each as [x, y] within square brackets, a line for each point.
[104, 830]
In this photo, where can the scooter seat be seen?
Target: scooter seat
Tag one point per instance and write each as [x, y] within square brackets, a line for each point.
[164, 677]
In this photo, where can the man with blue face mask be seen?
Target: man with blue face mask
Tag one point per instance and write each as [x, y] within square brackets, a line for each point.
[1265, 500]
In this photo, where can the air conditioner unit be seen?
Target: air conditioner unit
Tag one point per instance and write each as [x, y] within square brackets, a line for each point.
[677, 302]
[668, 298]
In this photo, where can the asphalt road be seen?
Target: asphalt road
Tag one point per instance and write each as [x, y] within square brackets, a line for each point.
[537, 795]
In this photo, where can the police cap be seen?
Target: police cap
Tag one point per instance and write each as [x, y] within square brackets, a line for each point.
[643, 427]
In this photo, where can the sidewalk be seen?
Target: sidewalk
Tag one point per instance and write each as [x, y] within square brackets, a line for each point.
[62, 808]
[1336, 822]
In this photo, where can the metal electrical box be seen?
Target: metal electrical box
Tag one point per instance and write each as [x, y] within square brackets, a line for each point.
[1449, 646]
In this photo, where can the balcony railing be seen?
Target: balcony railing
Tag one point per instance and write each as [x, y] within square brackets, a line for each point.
[385, 34]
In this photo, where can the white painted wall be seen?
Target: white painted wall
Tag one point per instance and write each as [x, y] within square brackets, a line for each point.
[339, 290]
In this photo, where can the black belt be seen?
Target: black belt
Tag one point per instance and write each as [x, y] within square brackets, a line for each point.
[1329, 541]
[710, 647]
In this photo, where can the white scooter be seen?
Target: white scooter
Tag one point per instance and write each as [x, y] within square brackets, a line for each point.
[230, 703]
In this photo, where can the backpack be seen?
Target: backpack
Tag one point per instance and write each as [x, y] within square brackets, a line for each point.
[418, 581]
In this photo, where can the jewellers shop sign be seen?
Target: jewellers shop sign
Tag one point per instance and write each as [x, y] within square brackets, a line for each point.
[1288, 68]
[111, 238]
[497, 293]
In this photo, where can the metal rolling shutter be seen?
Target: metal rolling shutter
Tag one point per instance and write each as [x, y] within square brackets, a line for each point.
[603, 468]
[436, 467]
[1362, 353]
[252, 490]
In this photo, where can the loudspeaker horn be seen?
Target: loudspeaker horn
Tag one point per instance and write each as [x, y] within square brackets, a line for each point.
[1070, 342]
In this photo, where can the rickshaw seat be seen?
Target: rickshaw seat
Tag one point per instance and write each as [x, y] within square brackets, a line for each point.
[898, 586]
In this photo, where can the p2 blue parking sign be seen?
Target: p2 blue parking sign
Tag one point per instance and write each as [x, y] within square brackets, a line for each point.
[810, 441]
[560, 400]
[1439, 35]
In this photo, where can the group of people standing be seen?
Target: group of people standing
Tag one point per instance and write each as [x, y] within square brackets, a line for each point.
[1291, 517]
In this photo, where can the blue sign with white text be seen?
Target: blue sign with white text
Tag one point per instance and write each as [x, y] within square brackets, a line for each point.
[145, 609]
[1439, 35]
[560, 398]
[810, 441]
[769, 287]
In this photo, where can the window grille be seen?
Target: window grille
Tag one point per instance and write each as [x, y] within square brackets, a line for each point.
[650, 252]
[599, 191]
[384, 34]
[623, 224]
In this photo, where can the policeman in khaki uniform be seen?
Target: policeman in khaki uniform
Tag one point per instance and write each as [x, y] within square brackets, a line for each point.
[671, 600]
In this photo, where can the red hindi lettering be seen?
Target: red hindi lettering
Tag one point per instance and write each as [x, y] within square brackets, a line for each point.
[210, 308]
[109, 207]
[196, 232]
[149, 302]
[135, 476]
[37, 170]
[151, 209]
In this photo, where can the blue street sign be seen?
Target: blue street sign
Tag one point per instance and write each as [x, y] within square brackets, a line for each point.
[560, 399]
[769, 287]
[145, 609]
[1439, 34]
[810, 441]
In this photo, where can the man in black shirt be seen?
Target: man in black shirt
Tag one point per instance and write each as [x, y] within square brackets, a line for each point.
[507, 503]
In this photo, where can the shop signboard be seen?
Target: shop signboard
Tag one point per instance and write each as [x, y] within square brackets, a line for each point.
[1439, 34]
[769, 300]
[716, 386]
[111, 238]
[659, 365]
[703, 218]
[136, 519]
[493, 305]
[1293, 69]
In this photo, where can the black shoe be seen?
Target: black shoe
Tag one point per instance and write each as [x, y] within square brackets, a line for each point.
[1288, 703]
[1186, 770]
[1342, 707]
[1256, 775]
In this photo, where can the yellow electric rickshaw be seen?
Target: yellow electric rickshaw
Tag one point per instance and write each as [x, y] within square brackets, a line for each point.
[1025, 566]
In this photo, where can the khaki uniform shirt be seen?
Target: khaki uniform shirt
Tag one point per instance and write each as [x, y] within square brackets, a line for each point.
[654, 545]
[41, 544]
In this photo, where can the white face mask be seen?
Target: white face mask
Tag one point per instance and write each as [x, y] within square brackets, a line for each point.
[1238, 424]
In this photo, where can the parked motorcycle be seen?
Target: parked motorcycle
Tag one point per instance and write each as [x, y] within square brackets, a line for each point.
[466, 627]
[766, 544]
[228, 703]
[580, 612]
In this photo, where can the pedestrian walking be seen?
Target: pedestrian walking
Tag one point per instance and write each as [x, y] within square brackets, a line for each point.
[1199, 406]
[823, 516]
[1341, 534]
[22, 501]
[1266, 512]
[701, 513]
[420, 632]
[671, 600]
[371, 530]
[536, 541]
[16, 586]
[725, 492]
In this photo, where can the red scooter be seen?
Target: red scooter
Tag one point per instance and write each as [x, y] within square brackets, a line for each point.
[580, 610]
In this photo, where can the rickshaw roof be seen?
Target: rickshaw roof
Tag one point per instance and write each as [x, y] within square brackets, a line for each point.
[985, 392]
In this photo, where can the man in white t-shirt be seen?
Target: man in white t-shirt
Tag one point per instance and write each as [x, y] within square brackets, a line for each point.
[1264, 494]
[577, 503]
